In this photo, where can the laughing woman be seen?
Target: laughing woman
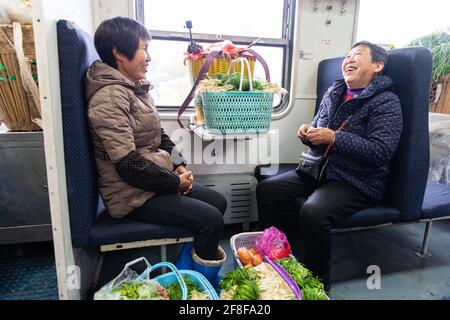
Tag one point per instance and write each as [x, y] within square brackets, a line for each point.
[140, 173]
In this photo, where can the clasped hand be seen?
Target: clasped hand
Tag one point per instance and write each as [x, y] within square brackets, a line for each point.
[316, 136]
[186, 180]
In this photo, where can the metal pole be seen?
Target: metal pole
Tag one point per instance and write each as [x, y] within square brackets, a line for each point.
[426, 237]
[164, 257]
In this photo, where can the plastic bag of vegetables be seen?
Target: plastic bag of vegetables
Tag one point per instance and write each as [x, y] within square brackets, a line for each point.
[273, 243]
[128, 285]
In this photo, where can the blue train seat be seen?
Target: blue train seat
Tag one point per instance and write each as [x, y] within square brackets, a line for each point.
[90, 223]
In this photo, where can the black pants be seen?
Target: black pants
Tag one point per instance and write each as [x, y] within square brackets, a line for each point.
[201, 212]
[327, 203]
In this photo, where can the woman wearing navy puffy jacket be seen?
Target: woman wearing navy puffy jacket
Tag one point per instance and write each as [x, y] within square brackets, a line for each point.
[358, 161]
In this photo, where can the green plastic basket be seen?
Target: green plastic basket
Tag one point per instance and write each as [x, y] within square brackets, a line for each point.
[237, 111]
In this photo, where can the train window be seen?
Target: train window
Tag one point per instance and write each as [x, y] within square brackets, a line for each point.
[212, 21]
[401, 22]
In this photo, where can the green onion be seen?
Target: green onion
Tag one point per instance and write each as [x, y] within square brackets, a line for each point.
[439, 45]
[312, 288]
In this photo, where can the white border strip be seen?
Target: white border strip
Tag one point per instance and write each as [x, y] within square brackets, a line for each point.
[143, 244]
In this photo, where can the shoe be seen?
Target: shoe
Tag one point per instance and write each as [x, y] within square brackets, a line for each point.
[184, 259]
[210, 268]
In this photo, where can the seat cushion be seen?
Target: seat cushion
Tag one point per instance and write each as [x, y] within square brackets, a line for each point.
[107, 230]
[369, 217]
[436, 202]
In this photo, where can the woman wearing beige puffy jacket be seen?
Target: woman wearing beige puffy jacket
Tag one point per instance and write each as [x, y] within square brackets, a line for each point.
[140, 173]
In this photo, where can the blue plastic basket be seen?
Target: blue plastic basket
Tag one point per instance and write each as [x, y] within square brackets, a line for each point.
[176, 275]
[237, 112]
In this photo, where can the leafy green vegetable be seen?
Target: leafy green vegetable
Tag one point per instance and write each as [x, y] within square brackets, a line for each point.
[431, 40]
[247, 290]
[439, 45]
[237, 277]
[312, 288]
[138, 290]
[314, 294]
[175, 292]
[234, 80]
[128, 290]
[240, 284]
[197, 295]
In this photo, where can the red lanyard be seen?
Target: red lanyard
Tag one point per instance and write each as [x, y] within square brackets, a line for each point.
[340, 128]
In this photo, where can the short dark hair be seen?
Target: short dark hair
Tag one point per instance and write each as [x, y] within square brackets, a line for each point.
[378, 53]
[120, 33]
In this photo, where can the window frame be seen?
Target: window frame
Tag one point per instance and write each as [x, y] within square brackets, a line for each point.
[285, 42]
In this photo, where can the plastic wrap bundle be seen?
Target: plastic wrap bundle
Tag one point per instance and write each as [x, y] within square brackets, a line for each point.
[440, 148]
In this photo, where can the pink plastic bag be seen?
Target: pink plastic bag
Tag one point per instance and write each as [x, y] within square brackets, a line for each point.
[273, 243]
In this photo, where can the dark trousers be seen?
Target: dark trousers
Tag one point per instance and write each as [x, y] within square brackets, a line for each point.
[201, 212]
[327, 203]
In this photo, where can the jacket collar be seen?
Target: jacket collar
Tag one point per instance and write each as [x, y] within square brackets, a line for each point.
[144, 85]
[100, 74]
[378, 83]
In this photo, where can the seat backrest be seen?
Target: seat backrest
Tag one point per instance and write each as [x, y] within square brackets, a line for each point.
[76, 53]
[410, 69]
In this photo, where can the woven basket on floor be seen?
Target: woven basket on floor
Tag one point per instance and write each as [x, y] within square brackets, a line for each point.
[19, 94]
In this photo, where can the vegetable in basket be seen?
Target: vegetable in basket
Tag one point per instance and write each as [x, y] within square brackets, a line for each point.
[239, 284]
[259, 283]
[223, 82]
[194, 291]
[271, 285]
[312, 288]
[273, 243]
[247, 290]
[128, 285]
[143, 290]
[249, 257]
[234, 80]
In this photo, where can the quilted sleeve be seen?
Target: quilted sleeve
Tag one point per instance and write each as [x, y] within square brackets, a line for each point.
[142, 173]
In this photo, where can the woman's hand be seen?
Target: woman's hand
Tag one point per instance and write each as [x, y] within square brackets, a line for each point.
[302, 131]
[319, 136]
[185, 185]
[180, 170]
